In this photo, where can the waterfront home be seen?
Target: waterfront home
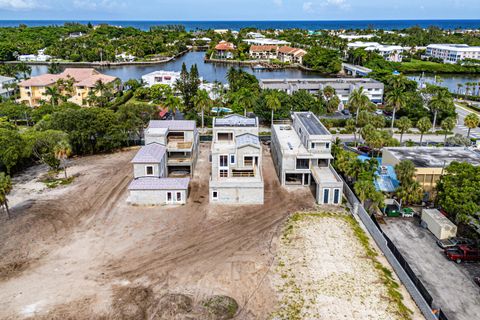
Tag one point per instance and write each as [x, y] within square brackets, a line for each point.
[125, 57]
[452, 53]
[255, 35]
[388, 52]
[236, 156]
[181, 140]
[284, 54]
[301, 153]
[6, 86]
[224, 50]
[39, 57]
[84, 80]
[343, 86]
[161, 77]
[151, 184]
[351, 37]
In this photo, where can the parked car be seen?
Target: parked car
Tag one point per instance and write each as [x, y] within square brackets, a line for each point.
[346, 112]
[463, 253]
[379, 112]
[365, 149]
[454, 242]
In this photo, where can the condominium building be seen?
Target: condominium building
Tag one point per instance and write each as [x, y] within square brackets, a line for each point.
[343, 86]
[181, 140]
[452, 53]
[34, 90]
[285, 54]
[301, 153]
[6, 86]
[266, 42]
[236, 156]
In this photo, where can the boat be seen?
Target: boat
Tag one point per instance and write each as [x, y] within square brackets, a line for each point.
[258, 67]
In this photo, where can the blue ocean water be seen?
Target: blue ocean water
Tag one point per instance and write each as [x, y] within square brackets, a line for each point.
[236, 25]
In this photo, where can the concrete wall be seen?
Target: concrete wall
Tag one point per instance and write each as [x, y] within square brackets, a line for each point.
[158, 138]
[331, 187]
[155, 197]
[248, 151]
[243, 195]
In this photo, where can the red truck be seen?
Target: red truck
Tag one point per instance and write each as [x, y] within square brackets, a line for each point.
[463, 253]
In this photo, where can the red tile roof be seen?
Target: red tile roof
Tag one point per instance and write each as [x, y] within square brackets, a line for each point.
[83, 77]
[225, 46]
[263, 48]
[293, 51]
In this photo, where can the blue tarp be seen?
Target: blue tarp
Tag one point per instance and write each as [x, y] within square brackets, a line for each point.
[386, 180]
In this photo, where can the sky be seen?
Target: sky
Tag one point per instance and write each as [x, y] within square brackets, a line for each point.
[238, 9]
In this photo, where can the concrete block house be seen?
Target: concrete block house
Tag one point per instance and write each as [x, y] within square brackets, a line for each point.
[236, 156]
[301, 153]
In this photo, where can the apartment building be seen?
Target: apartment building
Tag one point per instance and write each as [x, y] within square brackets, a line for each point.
[452, 53]
[34, 90]
[301, 153]
[236, 157]
[7, 86]
[285, 54]
[343, 86]
[151, 184]
[181, 140]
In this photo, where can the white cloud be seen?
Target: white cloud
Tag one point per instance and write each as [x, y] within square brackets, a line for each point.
[341, 4]
[278, 3]
[307, 7]
[99, 4]
[19, 4]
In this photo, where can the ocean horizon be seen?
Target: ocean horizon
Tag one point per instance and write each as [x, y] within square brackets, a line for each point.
[192, 25]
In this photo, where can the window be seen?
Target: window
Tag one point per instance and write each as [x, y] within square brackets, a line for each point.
[223, 173]
[326, 195]
[215, 195]
[224, 136]
[327, 145]
[232, 159]
[223, 161]
[303, 164]
[169, 197]
[248, 161]
[336, 196]
[313, 145]
[179, 196]
[149, 170]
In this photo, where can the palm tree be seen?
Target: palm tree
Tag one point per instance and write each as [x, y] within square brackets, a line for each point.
[53, 93]
[272, 101]
[364, 189]
[53, 68]
[405, 171]
[62, 151]
[410, 193]
[396, 99]
[246, 98]
[423, 125]
[5, 188]
[459, 87]
[447, 125]
[172, 103]
[358, 99]
[404, 124]
[25, 69]
[202, 101]
[440, 101]
[471, 121]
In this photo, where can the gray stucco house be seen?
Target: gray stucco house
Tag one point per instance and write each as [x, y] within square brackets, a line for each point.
[236, 156]
[301, 153]
[152, 183]
[181, 139]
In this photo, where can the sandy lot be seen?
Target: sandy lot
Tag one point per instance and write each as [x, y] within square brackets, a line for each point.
[451, 285]
[324, 272]
[81, 252]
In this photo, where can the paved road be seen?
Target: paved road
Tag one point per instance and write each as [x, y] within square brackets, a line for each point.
[461, 128]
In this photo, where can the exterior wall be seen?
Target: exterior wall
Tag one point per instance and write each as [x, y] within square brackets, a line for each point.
[331, 187]
[159, 169]
[158, 138]
[248, 151]
[238, 195]
[155, 197]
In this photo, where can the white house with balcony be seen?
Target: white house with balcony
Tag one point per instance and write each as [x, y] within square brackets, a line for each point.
[301, 153]
[161, 77]
[236, 157]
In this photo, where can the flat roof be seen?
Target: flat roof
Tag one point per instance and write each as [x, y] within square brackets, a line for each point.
[311, 123]
[325, 174]
[289, 140]
[433, 157]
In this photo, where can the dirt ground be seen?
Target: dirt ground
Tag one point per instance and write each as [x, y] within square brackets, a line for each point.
[80, 252]
[323, 271]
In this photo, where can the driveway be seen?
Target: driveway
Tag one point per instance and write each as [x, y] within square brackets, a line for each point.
[461, 128]
[450, 284]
